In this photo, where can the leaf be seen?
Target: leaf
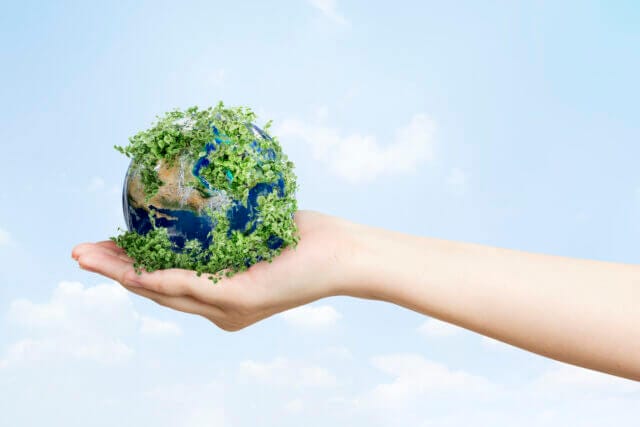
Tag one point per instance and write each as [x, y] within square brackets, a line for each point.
[232, 166]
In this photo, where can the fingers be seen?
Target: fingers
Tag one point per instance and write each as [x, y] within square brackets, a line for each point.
[232, 304]
[100, 260]
[109, 245]
[174, 282]
[184, 304]
[104, 259]
[178, 282]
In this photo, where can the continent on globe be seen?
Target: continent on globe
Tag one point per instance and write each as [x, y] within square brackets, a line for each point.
[207, 190]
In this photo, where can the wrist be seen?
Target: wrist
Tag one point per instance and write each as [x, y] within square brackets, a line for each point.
[364, 255]
[390, 266]
[358, 260]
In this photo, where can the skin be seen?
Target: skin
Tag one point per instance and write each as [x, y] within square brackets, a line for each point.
[581, 312]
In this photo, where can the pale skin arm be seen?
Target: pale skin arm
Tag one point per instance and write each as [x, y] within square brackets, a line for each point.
[582, 312]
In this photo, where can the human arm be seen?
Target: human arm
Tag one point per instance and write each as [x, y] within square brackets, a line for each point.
[581, 312]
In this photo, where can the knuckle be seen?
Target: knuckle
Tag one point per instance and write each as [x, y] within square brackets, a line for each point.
[159, 286]
[169, 285]
[184, 287]
[130, 278]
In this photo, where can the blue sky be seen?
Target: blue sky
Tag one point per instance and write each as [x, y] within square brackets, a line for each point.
[510, 124]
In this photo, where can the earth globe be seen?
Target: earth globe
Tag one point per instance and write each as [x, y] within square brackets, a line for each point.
[226, 177]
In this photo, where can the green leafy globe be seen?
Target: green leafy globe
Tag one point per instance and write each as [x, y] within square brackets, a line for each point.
[207, 190]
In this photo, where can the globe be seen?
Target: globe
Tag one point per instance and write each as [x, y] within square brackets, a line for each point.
[181, 207]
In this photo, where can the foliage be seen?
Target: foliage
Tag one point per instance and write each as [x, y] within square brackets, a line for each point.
[187, 133]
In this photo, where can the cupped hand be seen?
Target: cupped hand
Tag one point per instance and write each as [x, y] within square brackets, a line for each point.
[318, 267]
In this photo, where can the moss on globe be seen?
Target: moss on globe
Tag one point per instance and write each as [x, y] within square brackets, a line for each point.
[207, 190]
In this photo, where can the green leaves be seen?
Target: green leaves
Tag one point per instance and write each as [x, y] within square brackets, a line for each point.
[236, 165]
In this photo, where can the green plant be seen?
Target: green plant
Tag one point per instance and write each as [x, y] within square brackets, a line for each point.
[230, 169]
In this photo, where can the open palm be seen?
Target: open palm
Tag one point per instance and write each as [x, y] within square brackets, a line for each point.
[313, 270]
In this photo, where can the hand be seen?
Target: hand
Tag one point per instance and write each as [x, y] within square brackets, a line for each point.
[577, 311]
[316, 268]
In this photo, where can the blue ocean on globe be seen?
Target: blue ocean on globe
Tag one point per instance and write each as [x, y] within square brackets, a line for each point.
[180, 208]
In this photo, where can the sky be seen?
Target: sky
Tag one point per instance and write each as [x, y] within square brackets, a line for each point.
[512, 124]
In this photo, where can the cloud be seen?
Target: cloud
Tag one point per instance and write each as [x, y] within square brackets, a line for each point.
[102, 305]
[415, 377]
[424, 392]
[311, 317]
[360, 158]
[564, 379]
[287, 373]
[5, 237]
[437, 328]
[78, 322]
[189, 405]
[329, 9]
[151, 326]
[98, 349]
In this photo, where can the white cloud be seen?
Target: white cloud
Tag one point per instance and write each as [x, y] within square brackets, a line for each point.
[415, 377]
[437, 328]
[96, 184]
[329, 9]
[572, 379]
[457, 181]
[98, 349]
[189, 405]
[151, 326]
[5, 237]
[360, 158]
[78, 322]
[287, 373]
[424, 392]
[104, 305]
[312, 317]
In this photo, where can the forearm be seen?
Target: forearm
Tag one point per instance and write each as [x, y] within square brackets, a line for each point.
[582, 312]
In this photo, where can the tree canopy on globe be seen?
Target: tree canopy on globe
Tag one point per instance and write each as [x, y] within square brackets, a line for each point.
[207, 190]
